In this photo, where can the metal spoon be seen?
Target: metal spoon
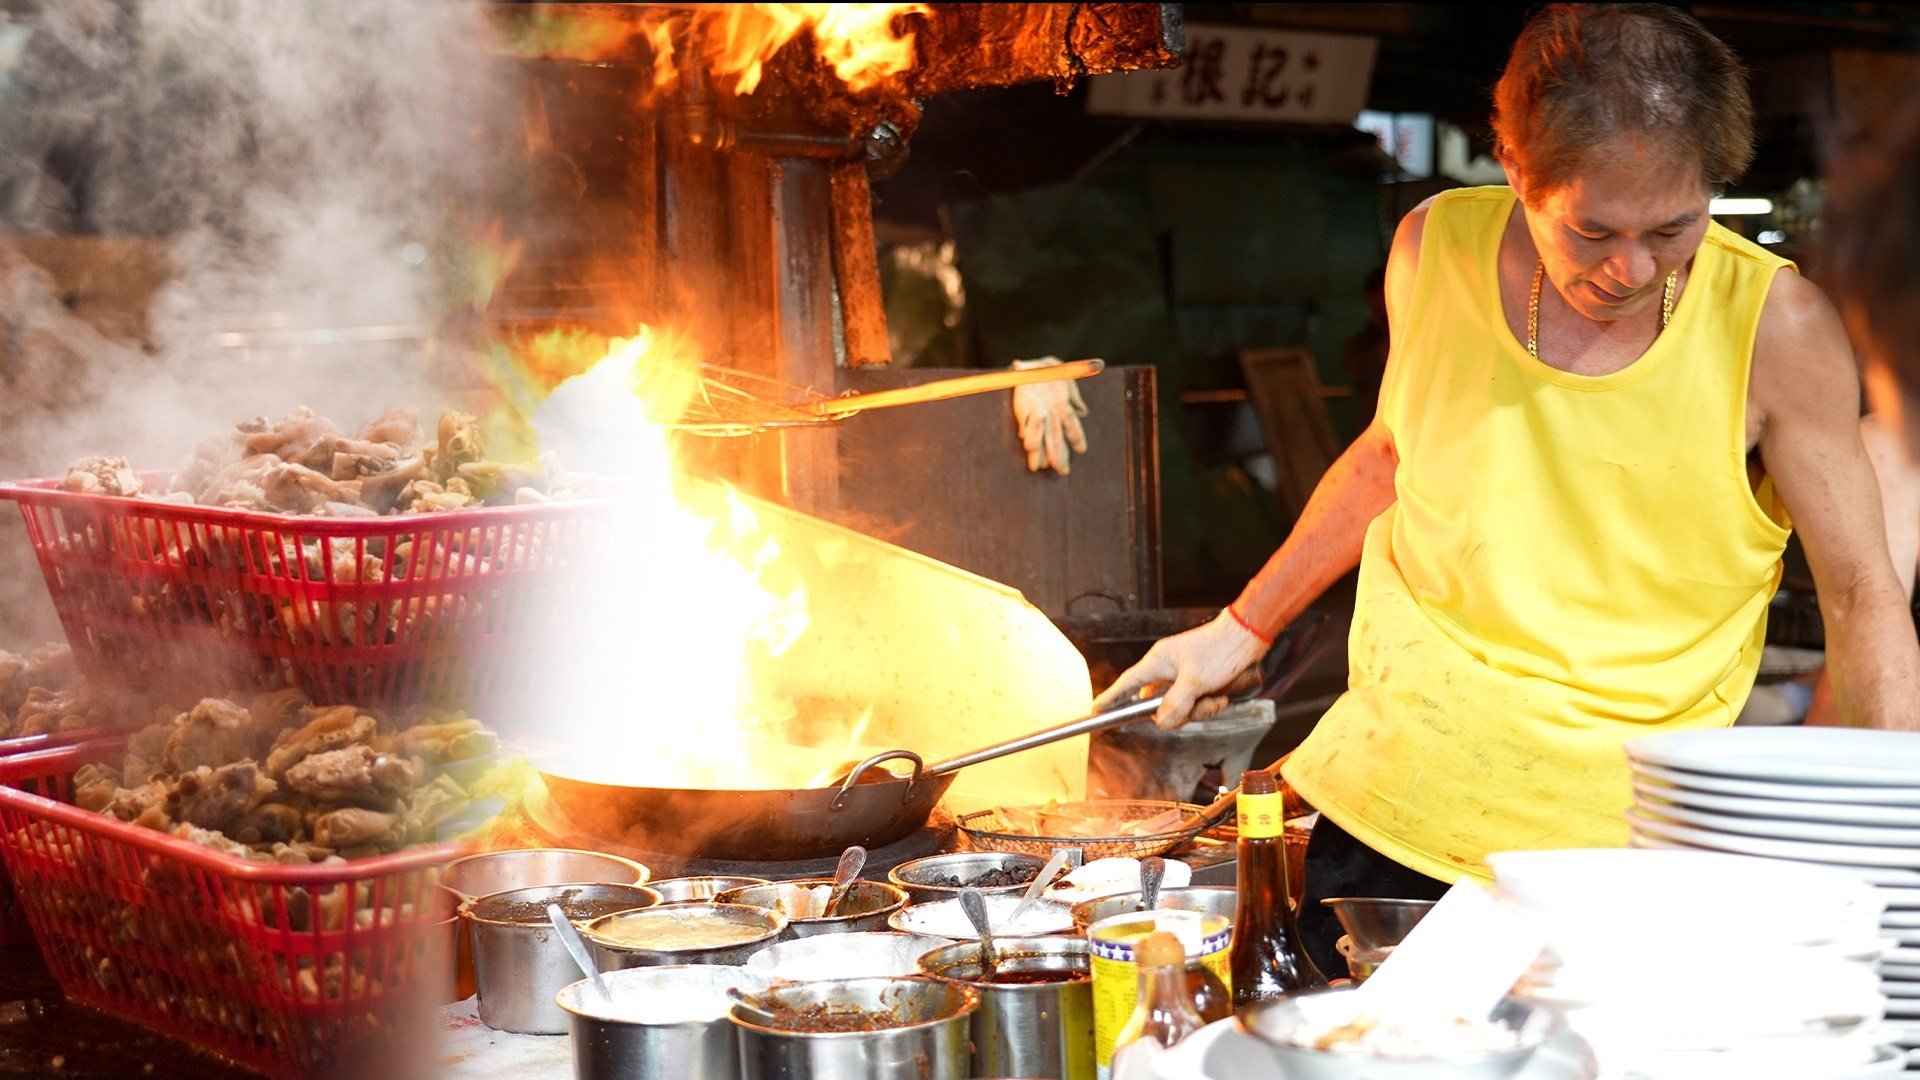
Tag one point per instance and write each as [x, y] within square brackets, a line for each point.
[975, 905]
[761, 1014]
[577, 949]
[852, 861]
[1039, 886]
[1153, 870]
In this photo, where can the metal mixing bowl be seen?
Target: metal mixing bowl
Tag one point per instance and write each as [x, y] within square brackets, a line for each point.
[918, 876]
[679, 890]
[1210, 899]
[1376, 922]
[610, 954]
[866, 907]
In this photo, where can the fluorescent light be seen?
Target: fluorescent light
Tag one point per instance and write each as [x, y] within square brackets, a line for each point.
[1771, 236]
[1740, 207]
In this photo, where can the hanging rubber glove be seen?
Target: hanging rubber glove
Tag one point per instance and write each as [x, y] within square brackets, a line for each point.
[1203, 665]
[1049, 417]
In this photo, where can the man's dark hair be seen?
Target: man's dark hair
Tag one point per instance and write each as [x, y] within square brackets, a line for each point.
[1580, 73]
[1867, 242]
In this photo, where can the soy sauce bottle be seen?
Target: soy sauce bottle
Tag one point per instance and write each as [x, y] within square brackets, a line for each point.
[1266, 960]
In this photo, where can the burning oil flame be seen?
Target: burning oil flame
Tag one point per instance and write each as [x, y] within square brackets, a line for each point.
[731, 42]
[857, 40]
[656, 680]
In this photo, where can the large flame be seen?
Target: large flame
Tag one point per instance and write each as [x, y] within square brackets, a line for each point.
[658, 680]
[858, 40]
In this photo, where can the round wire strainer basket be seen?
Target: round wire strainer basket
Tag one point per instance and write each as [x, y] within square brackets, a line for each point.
[985, 829]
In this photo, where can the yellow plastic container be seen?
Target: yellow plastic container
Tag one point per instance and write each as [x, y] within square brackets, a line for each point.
[1116, 978]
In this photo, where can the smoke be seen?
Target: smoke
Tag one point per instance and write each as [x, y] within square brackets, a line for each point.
[299, 165]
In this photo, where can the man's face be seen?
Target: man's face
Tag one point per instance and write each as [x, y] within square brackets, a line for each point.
[1627, 217]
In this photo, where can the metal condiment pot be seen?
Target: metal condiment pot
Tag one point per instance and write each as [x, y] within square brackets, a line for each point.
[929, 1044]
[1026, 1029]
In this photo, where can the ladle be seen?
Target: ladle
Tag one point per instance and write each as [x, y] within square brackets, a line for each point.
[577, 949]
[852, 861]
[761, 1014]
[975, 905]
[1153, 870]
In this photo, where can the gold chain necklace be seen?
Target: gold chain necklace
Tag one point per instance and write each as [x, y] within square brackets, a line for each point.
[1533, 306]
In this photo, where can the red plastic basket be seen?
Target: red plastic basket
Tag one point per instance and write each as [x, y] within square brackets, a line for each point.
[296, 971]
[441, 607]
[13, 921]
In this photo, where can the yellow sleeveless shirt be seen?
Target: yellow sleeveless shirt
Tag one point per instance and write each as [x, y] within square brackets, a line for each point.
[1571, 562]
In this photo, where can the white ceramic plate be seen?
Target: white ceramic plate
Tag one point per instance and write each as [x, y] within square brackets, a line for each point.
[1900, 988]
[1906, 956]
[1899, 971]
[1908, 795]
[1220, 1051]
[1821, 832]
[1900, 919]
[1844, 813]
[1843, 855]
[1792, 755]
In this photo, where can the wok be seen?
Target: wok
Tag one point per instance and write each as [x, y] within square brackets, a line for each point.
[873, 807]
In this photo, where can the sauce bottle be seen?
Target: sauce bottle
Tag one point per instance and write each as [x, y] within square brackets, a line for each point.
[1266, 960]
[1162, 1015]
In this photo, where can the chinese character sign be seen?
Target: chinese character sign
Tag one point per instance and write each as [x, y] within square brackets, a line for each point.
[1244, 75]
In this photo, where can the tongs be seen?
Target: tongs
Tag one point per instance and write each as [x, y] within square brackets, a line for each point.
[1279, 671]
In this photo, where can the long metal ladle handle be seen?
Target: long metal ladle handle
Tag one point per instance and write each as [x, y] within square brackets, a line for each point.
[1082, 726]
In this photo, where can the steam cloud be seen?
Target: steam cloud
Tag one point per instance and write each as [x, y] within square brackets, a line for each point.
[298, 160]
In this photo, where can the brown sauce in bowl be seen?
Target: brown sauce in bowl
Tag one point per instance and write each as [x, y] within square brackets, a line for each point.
[825, 1018]
[1037, 976]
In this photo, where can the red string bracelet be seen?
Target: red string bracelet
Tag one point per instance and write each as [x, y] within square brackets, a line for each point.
[1248, 627]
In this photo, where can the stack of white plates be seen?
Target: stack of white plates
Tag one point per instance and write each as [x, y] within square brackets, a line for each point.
[1840, 798]
[1703, 965]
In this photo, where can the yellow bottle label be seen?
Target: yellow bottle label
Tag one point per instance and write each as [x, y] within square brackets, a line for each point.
[1262, 816]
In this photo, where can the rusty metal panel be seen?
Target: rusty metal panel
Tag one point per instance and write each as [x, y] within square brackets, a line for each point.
[856, 268]
[949, 479]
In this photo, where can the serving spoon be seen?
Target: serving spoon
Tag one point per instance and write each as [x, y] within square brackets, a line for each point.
[1153, 871]
[852, 861]
[577, 949]
[975, 905]
[761, 1014]
[1040, 883]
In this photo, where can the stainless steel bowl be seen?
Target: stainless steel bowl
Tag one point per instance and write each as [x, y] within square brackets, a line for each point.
[945, 919]
[497, 871]
[612, 954]
[923, 1033]
[859, 955]
[662, 1023]
[1274, 1023]
[519, 963]
[1377, 922]
[680, 890]
[1211, 899]
[917, 876]
[866, 907]
[1039, 1028]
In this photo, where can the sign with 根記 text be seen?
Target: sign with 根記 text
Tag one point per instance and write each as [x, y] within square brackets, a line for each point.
[1242, 75]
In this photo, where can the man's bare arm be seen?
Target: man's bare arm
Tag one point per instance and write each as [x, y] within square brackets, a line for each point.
[1806, 393]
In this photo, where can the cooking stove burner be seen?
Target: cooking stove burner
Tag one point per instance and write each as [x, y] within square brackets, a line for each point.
[551, 827]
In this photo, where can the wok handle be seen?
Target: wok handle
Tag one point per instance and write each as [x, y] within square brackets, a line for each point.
[840, 797]
[1084, 725]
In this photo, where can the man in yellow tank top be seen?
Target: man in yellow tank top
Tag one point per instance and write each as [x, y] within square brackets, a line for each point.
[1562, 545]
